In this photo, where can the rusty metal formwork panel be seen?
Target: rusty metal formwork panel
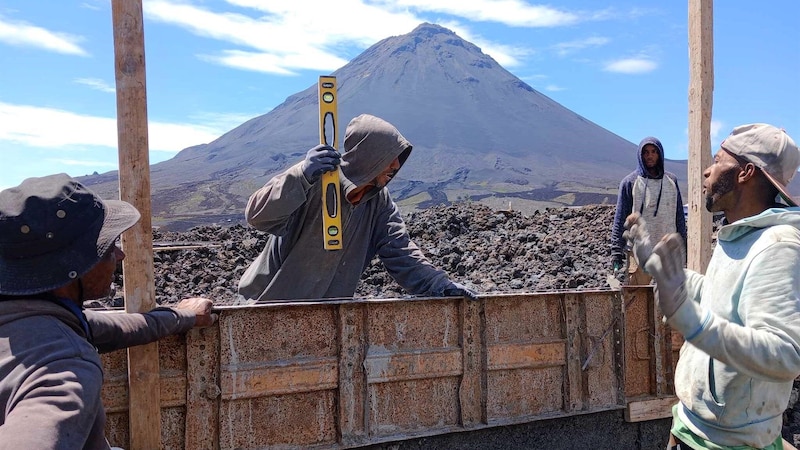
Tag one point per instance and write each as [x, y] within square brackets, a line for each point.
[413, 366]
[172, 385]
[550, 355]
[278, 376]
[348, 373]
[651, 348]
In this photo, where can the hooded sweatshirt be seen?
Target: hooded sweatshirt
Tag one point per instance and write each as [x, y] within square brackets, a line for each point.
[742, 328]
[656, 198]
[51, 374]
[294, 264]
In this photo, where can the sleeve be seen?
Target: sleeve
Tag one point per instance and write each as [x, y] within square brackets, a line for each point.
[64, 399]
[403, 260]
[767, 343]
[270, 208]
[113, 330]
[694, 285]
[680, 218]
[624, 205]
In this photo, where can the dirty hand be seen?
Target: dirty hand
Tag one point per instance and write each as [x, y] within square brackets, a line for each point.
[202, 309]
[639, 239]
[320, 159]
[459, 290]
[666, 267]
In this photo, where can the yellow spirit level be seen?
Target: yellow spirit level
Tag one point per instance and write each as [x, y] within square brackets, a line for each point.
[329, 135]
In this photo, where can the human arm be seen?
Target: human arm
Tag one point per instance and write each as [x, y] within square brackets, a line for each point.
[623, 209]
[58, 407]
[113, 331]
[680, 218]
[406, 263]
[271, 208]
[766, 344]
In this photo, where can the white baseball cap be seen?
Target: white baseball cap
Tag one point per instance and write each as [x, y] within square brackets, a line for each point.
[770, 149]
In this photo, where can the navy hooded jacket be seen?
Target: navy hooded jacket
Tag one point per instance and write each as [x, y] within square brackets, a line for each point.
[656, 197]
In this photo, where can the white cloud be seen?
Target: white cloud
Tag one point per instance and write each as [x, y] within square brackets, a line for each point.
[97, 84]
[509, 12]
[63, 130]
[631, 66]
[275, 64]
[23, 34]
[554, 88]
[283, 37]
[566, 48]
[716, 127]
[83, 163]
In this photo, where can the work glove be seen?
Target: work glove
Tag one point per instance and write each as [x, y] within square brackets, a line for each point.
[459, 290]
[666, 267]
[638, 238]
[617, 263]
[320, 159]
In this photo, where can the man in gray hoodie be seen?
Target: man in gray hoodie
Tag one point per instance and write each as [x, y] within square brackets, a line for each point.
[57, 249]
[294, 265]
[741, 319]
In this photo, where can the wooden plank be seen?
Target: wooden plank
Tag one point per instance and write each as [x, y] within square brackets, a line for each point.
[650, 409]
[472, 391]
[172, 388]
[239, 381]
[701, 90]
[403, 366]
[134, 182]
[527, 356]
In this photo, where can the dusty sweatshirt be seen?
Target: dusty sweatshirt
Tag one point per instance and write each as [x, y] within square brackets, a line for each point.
[742, 330]
[294, 264]
[51, 375]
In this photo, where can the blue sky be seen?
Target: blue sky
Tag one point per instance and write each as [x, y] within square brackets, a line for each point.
[213, 64]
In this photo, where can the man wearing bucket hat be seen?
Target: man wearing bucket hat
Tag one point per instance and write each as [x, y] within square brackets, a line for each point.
[741, 320]
[57, 250]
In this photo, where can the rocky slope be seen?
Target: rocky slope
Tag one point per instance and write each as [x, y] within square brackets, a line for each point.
[487, 250]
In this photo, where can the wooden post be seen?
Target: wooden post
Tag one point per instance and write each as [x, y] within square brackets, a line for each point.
[144, 413]
[701, 90]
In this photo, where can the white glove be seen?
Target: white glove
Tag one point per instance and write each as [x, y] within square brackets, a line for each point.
[638, 238]
[666, 267]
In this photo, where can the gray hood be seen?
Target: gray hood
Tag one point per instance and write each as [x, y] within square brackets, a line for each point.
[767, 218]
[370, 145]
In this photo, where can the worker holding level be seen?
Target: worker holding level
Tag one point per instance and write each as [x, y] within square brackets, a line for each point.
[741, 320]
[57, 250]
[294, 264]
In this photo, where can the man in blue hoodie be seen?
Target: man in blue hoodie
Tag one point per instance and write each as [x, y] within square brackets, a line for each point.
[741, 320]
[655, 195]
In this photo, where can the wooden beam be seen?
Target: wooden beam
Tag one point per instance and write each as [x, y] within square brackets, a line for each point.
[650, 409]
[701, 90]
[144, 413]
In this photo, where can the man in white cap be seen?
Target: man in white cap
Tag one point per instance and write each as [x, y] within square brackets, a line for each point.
[741, 320]
[57, 250]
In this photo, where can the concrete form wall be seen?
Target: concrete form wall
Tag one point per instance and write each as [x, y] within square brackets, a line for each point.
[351, 373]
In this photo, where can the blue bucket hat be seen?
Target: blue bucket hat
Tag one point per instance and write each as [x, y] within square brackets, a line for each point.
[54, 230]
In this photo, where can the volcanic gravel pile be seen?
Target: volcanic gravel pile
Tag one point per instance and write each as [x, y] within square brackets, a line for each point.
[486, 250]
